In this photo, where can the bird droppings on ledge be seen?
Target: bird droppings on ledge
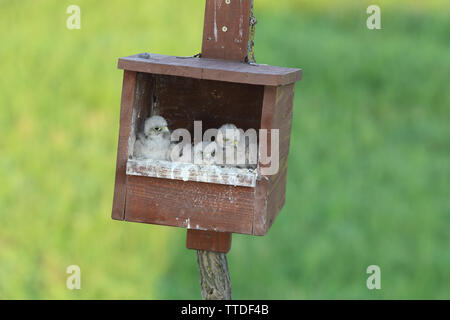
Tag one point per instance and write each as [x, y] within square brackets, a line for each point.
[193, 172]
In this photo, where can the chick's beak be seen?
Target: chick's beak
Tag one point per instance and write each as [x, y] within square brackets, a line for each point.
[165, 129]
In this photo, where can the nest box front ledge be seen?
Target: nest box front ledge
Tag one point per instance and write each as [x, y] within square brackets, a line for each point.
[192, 172]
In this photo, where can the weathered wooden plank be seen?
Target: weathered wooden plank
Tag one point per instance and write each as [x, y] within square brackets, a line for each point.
[282, 120]
[212, 69]
[276, 114]
[263, 186]
[192, 172]
[259, 227]
[276, 199]
[226, 29]
[128, 96]
[191, 205]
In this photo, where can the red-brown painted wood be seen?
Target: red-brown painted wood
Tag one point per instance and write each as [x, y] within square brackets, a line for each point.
[276, 114]
[184, 100]
[208, 241]
[226, 29]
[190, 205]
[128, 95]
[212, 69]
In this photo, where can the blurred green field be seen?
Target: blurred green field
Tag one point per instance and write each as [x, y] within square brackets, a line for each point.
[369, 170]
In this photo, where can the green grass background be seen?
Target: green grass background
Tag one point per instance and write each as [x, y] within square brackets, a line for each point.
[369, 173]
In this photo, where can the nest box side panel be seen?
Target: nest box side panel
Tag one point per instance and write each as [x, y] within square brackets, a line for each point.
[128, 96]
[226, 29]
[283, 121]
[277, 114]
[191, 205]
[141, 107]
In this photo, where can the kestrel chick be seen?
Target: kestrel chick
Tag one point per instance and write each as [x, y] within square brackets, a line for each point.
[179, 152]
[228, 138]
[154, 141]
[247, 154]
[205, 153]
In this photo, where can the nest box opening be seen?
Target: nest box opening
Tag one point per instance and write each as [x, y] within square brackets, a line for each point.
[183, 100]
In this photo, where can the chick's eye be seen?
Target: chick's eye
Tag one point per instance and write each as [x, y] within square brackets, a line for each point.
[158, 129]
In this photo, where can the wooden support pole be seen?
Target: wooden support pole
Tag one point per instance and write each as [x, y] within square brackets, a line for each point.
[228, 34]
[214, 276]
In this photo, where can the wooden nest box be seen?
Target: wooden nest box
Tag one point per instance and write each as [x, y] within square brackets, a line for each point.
[217, 88]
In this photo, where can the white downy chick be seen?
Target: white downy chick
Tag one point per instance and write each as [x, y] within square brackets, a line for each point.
[247, 153]
[205, 153]
[180, 152]
[154, 142]
[228, 138]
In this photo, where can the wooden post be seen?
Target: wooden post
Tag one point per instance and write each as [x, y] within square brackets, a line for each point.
[228, 34]
[229, 26]
[214, 276]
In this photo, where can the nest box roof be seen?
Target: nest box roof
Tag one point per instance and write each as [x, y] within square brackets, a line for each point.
[211, 69]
